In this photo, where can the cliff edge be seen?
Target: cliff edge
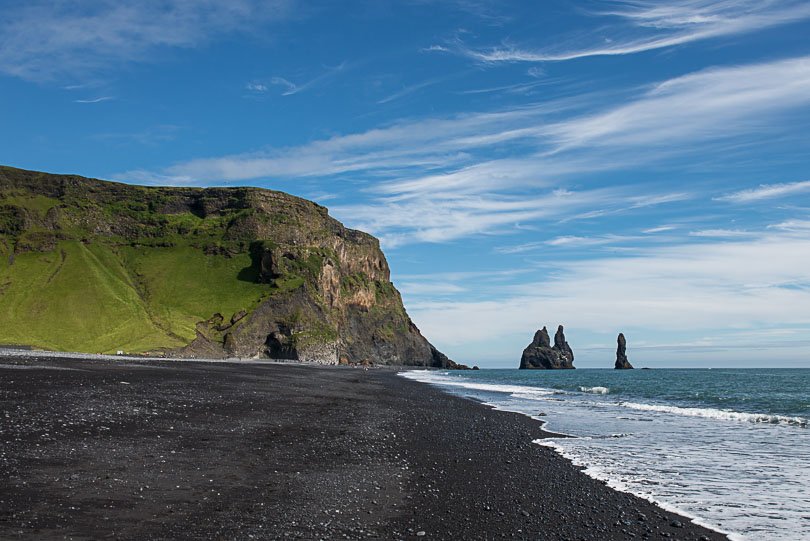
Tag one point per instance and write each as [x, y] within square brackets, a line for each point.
[95, 266]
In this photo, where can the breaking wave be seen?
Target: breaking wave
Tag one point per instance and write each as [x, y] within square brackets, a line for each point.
[442, 379]
[726, 415]
[595, 390]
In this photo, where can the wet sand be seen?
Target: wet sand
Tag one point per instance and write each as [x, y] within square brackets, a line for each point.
[158, 449]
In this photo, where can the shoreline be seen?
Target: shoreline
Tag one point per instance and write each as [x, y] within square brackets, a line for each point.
[548, 441]
[199, 450]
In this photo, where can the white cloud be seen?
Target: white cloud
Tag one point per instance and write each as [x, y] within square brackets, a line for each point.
[410, 89]
[430, 183]
[702, 106]
[256, 87]
[419, 145]
[440, 217]
[536, 72]
[659, 229]
[721, 233]
[767, 191]
[792, 225]
[577, 241]
[95, 100]
[290, 88]
[642, 25]
[565, 241]
[47, 39]
[685, 288]
[430, 288]
[675, 117]
[517, 88]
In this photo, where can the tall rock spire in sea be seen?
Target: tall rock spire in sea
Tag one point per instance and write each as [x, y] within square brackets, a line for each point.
[540, 355]
[621, 354]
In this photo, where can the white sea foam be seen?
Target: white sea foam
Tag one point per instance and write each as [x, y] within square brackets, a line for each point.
[623, 485]
[440, 378]
[703, 463]
[726, 415]
[595, 390]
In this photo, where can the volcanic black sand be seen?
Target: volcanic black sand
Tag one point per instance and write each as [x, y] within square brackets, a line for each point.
[146, 450]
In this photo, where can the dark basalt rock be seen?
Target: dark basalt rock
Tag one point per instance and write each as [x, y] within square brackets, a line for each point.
[540, 354]
[328, 296]
[621, 354]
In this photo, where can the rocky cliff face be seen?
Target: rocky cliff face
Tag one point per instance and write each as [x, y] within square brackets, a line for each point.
[540, 354]
[320, 292]
[621, 354]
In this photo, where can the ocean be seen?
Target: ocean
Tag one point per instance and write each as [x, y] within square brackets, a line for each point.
[729, 448]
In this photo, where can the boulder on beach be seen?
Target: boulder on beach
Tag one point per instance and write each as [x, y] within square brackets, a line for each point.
[541, 355]
[621, 354]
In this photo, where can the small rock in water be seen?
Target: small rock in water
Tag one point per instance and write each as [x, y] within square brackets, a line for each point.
[676, 524]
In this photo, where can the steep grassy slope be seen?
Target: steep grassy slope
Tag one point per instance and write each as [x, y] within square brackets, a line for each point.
[100, 298]
[88, 265]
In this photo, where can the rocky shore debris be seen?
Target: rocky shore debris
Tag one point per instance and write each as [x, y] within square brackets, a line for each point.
[541, 355]
[621, 354]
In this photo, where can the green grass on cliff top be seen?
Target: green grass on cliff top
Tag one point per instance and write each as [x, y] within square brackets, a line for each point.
[97, 298]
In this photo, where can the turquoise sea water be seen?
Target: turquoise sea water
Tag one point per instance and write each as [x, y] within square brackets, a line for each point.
[728, 447]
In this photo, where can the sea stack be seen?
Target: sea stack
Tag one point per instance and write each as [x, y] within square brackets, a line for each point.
[621, 354]
[541, 355]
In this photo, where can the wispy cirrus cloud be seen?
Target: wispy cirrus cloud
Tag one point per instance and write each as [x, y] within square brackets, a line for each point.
[702, 106]
[95, 100]
[410, 89]
[721, 233]
[729, 102]
[567, 241]
[436, 179]
[420, 145]
[442, 216]
[767, 191]
[43, 40]
[640, 25]
[259, 88]
[659, 229]
[517, 88]
[290, 88]
[792, 225]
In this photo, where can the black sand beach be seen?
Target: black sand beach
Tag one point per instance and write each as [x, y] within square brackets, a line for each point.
[165, 450]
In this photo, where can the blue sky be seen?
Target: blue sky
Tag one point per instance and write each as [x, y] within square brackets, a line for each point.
[613, 166]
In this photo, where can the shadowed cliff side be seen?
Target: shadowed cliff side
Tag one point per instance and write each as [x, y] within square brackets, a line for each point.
[95, 266]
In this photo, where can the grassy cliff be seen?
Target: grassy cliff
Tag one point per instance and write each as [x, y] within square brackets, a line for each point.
[94, 266]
